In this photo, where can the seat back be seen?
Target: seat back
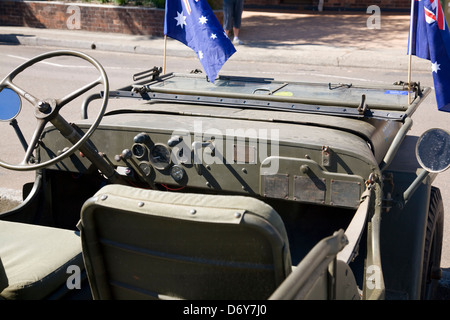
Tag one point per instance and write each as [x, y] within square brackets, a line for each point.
[146, 244]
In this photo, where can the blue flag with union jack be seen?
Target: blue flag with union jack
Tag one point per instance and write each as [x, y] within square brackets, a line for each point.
[429, 38]
[193, 23]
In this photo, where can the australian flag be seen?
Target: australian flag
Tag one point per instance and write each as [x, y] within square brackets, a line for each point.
[429, 38]
[194, 23]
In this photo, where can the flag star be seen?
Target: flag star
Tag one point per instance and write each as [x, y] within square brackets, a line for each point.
[213, 36]
[181, 20]
[435, 67]
[202, 19]
[200, 54]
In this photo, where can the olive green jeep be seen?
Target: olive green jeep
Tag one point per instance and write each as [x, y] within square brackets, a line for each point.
[248, 188]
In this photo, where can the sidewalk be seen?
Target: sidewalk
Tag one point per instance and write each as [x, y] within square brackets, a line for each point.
[315, 38]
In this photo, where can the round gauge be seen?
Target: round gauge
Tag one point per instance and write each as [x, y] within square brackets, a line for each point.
[146, 168]
[177, 173]
[160, 156]
[139, 150]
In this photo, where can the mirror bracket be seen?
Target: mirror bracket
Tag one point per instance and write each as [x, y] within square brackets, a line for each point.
[19, 134]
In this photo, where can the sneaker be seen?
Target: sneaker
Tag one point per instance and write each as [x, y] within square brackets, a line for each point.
[237, 41]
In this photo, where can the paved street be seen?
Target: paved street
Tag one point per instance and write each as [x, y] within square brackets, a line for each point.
[337, 39]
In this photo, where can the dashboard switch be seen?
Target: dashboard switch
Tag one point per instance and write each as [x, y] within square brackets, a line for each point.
[142, 138]
[173, 141]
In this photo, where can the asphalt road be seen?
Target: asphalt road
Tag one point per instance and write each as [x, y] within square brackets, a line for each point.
[121, 66]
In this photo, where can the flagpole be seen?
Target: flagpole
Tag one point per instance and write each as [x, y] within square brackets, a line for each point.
[165, 46]
[409, 79]
[410, 49]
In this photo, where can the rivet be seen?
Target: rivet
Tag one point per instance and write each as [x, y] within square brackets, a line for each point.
[237, 214]
[193, 211]
[104, 197]
[140, 204]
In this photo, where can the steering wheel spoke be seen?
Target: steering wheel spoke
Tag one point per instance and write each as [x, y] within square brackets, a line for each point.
[34, 141]
[75, 94]
[26, 95]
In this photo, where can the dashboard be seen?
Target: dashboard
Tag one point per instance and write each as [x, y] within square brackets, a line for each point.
[220, 154]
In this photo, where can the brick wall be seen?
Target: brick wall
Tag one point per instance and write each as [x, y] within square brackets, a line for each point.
[131, 20]
[88, 17]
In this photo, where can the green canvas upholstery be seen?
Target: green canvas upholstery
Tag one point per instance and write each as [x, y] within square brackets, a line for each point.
[146, 244]
[34, 260]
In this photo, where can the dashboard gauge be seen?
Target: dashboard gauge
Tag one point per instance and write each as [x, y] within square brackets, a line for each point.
[146, 168]
[160, 156]
[139, 150]
[177, 173]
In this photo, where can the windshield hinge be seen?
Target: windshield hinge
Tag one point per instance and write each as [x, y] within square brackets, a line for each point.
[153, 73]
[363, 107]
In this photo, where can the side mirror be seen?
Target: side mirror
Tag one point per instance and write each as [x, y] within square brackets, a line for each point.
[433, 154]
[10, 104]
[433, 150]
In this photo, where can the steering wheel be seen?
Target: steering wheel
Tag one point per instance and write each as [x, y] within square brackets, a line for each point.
[47, 110]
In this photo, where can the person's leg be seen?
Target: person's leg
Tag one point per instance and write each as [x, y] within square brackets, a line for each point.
[227, 16]
[236, 31]
[237, 17]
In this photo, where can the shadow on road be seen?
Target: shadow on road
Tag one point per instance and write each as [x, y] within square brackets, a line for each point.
[337, 29]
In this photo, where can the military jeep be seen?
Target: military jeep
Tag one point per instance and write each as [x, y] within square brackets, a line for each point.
[245, 188]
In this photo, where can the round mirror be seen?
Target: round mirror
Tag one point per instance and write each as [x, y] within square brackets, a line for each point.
[10, 104]
[433, 150]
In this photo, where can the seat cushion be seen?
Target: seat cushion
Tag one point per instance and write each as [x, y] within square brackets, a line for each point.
[34, 259]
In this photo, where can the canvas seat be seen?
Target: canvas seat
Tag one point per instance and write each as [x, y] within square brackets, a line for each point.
[146, 244]
[34, 261]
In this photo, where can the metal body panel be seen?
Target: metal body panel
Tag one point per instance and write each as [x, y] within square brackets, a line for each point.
[402, 237]
[403, 226]
[379, 133]
[242, 150]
